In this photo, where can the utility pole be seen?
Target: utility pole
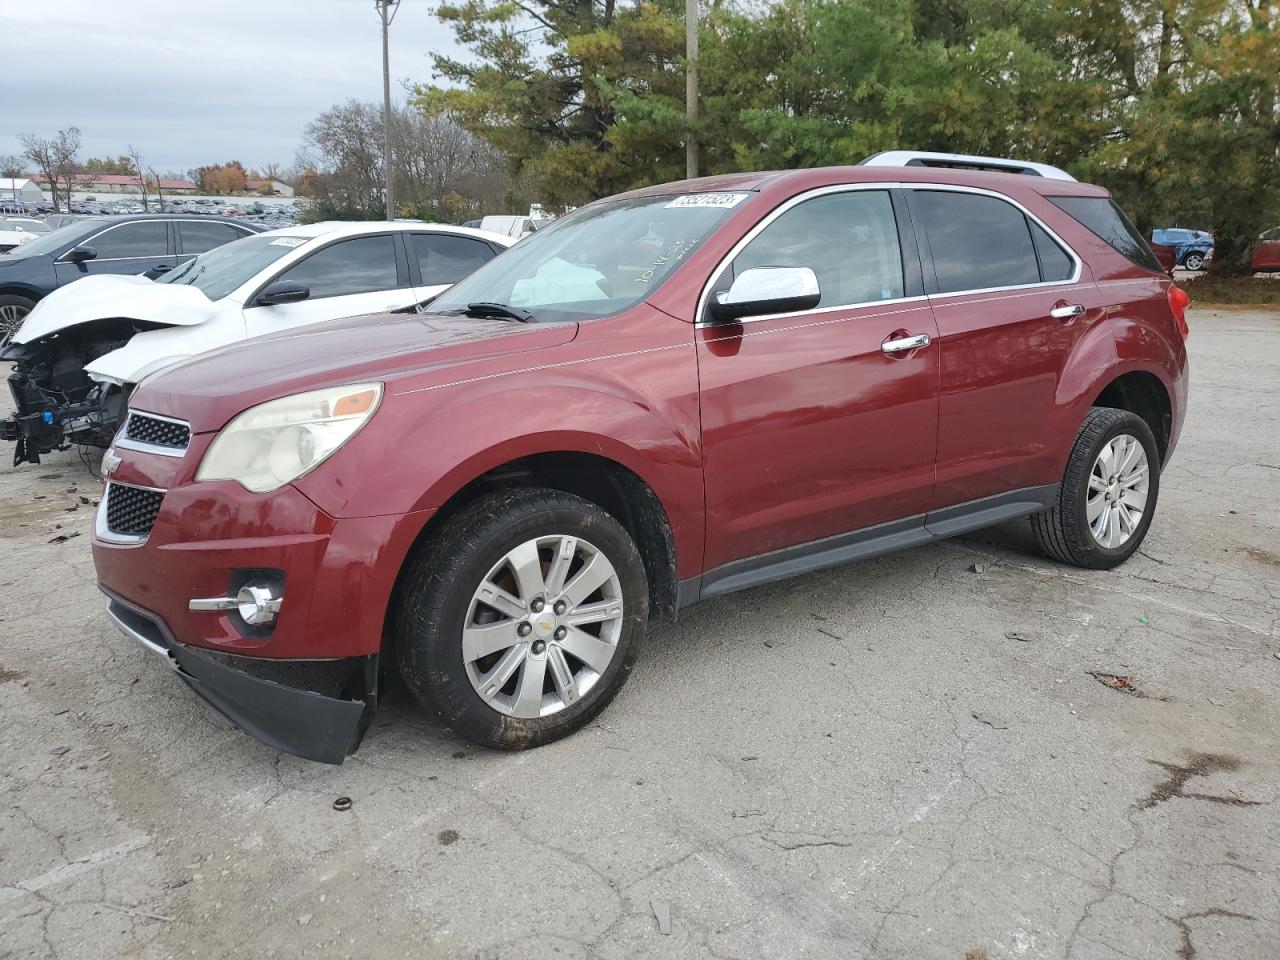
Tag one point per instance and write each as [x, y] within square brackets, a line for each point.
[387, 12]
[691, 87]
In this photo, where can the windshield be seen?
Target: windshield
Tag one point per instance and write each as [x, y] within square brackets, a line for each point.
[222, 269]
[597, 261]
[54, 241]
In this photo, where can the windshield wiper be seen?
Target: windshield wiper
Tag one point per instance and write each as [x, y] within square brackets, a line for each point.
[498, 311]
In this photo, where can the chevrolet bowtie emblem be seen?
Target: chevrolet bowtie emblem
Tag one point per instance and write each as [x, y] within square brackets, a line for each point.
[109, 463]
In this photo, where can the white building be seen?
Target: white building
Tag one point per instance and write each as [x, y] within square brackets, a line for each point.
[20, 190]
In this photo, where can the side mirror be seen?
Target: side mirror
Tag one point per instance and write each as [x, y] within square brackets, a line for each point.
[158, 271]
[282, 291]
[764, 290]
[80, 254]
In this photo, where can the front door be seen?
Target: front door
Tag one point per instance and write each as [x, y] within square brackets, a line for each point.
[133, 247]
[810, 427]
[346, 279]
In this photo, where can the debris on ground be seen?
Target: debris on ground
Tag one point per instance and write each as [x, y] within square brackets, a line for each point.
[833, 635]
[662, 912]
[1017, 635]
[977, 568]
[447, 837]
[64, 537]
[342, 804]
[59, 751]
[995, 723]
[1122, 682]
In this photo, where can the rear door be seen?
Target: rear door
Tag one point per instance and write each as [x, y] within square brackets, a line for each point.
[346, 278]
[1010, 300]
[134, 247]
[439, 260]
[810, 428]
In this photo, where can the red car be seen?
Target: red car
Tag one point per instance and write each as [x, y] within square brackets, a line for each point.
[1266, 252]
[663, 397]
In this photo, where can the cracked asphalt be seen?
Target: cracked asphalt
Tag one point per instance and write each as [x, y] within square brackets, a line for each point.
[795, 771]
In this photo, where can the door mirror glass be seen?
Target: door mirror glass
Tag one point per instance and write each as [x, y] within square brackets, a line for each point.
[80, 254]
[765, 290]
[282, 291]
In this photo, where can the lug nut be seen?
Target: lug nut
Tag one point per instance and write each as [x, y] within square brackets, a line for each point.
[561, 633]
[539, 646]
[524, 629]
[537, 605]
[560, 607]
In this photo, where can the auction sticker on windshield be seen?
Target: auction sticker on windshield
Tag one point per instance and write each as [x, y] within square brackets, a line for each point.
[288, 241]
[721, 200]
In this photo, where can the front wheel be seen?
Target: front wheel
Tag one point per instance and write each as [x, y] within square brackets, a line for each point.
[13, 310]
[1194, 261]
[520, 619]
[1108, 493]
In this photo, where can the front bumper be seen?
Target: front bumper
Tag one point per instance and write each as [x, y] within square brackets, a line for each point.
[302, 722]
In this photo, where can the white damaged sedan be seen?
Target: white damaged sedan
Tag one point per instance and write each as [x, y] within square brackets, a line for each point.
[80, 352]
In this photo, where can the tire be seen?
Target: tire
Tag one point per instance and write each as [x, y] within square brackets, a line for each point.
[1194, 261]
[13, 310]
[1065, 532]
[441, 597]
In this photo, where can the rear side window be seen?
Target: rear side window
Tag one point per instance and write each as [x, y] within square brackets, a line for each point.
[143, 238]
[199, 237]
[977, 241]
[1055, 264]
[1107, 221]
[446, 258]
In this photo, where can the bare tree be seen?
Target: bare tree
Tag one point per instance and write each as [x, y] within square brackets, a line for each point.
[136, 156]
[159, 190]
[11, 166]
[55, 157]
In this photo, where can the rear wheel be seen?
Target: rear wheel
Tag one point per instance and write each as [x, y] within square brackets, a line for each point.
[13, 310]
[1108, 493]
[521, 618]
[1194, 261]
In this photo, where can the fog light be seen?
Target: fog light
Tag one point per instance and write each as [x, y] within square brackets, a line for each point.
[257, 606]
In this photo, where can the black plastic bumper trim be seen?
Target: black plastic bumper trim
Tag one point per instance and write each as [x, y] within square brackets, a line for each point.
[300, 722]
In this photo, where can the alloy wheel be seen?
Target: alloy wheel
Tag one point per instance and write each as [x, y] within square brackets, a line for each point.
[543, 626]
[11, 317]
[1118, 485]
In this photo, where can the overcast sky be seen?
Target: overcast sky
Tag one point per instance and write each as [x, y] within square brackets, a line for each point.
[195, 83]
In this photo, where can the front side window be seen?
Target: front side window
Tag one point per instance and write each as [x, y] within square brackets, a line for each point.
[145, 238]
[447, 258]
[200, 237]
[597, 261]
[362, 265]
[1105, 220]
[849, 240]
[977, 241]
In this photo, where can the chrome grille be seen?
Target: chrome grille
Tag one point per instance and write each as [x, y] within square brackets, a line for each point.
[157, 431]
[131, 510]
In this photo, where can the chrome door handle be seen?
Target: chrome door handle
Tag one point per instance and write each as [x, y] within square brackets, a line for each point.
[906, 343]
[1067, 312]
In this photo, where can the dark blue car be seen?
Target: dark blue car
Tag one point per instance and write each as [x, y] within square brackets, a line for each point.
[141, 243]
[1193, 247]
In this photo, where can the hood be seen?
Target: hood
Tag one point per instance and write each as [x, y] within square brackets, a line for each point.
[210, 389]
[103, 296]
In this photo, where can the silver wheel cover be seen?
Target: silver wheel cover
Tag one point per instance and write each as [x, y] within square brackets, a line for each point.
[11, 317]
[1118, 485]
[542, 626]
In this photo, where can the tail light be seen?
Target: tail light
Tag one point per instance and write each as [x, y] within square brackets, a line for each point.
[1178, 301]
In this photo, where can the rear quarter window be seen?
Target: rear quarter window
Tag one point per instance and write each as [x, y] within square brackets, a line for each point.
[1104, 219]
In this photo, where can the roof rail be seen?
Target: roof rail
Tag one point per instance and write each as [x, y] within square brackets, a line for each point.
[921, 158]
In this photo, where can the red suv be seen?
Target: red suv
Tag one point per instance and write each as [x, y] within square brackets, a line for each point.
[663, 397]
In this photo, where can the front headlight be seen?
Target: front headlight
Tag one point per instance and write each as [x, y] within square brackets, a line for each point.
[276, 442]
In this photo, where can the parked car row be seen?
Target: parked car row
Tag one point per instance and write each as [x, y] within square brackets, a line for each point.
[79, 351]
[660, 398]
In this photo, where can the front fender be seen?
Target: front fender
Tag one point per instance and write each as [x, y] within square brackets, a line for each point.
[152, 350]
[443, 442]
